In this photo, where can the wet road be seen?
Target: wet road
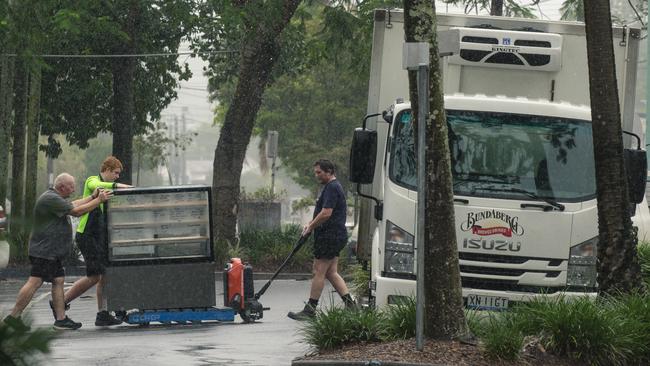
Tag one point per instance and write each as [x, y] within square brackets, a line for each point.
[273, 340]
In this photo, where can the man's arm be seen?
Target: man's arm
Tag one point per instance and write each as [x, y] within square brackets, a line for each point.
[81, 209]
[322, 216]
[81, 201]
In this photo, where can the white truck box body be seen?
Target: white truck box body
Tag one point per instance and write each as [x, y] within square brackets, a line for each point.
[540, 241]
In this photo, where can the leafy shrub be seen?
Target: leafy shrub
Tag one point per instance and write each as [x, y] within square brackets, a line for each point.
[338, 326]
[603, 331]
[644, 260]
[267, 249]
[360, 281]
[592, 331]
[400, 319]
[18, 347]
[501, 336]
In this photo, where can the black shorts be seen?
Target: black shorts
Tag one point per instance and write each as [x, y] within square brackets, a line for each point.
[46, 269]
[94, 253]
[325, 248]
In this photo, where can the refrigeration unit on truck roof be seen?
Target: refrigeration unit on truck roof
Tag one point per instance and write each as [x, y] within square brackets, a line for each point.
[517, 100]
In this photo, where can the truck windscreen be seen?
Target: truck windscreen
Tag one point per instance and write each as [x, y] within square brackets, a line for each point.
[494, 152]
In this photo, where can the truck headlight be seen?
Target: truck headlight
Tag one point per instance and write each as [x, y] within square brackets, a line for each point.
[398, 251]
[581, 271]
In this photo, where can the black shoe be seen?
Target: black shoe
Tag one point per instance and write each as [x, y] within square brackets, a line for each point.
[16, 323]
[66, 324]
[67, 307]
[105, 319]
[307, 313]
[351, 305]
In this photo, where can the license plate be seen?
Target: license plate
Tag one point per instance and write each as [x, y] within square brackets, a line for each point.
[487, 302]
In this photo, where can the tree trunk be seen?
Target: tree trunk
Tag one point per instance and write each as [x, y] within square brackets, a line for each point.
[17, 217]
[256, 62]
[496, 7]
[33, 132]
[123, 114]
[6, 106]
[124, 98]
[444, 313]
[618, 269]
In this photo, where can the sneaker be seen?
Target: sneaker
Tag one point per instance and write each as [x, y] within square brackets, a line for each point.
[16, 323]
[66, 324]
[67, 307]
[307, 313]
[105, 319]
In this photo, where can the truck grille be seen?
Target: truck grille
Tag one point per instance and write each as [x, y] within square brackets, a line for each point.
[512, 272]
[495, 258]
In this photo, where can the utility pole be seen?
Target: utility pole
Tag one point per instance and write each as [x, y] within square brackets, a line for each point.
[272, 152]
[184, 177]
[415, 56]
[176, 164]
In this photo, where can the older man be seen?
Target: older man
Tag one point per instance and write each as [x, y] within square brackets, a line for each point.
[51, 242]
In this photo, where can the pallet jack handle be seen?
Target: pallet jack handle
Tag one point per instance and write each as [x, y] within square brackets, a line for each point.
[296, 248]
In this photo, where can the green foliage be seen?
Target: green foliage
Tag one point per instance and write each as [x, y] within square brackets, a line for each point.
[302, 204]
[267, 249]
[317, 93]
[643, 250]
[400, 319]
[360, 281]
[511, 8]
[156, 146]
[77, 93]
[263, 194]
[18, 346]
[500, 333]
[337, 326]
[19, 245]
[573, 10]
[592, 331]
[602, 331]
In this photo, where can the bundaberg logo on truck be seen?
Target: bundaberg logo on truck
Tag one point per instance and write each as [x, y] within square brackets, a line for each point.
[492, 222]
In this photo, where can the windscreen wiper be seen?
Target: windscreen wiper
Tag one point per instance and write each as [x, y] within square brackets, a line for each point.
[551, 202]
[485, 178]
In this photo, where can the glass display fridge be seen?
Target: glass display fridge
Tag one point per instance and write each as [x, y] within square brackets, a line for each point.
[160, 251]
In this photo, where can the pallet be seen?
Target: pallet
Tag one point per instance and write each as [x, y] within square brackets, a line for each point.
[181, 316]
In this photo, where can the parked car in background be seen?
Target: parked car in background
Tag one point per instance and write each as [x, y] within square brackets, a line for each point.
[3, 219]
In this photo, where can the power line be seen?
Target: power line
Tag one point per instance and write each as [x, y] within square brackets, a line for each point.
[134, 55]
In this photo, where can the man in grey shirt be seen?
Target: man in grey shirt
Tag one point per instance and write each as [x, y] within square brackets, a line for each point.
[49, 243]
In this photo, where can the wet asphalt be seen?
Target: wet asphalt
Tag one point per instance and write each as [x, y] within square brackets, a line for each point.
[273, 340]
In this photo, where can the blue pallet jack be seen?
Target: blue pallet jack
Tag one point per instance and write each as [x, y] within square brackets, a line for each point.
[238, 299]
[180, 316]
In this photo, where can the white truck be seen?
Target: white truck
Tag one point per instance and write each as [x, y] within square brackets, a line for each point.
[517, 101]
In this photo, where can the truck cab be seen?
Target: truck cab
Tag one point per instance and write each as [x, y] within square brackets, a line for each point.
[522, 160]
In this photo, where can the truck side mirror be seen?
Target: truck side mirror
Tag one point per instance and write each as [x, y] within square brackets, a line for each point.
[636, 168]
[362, 156]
